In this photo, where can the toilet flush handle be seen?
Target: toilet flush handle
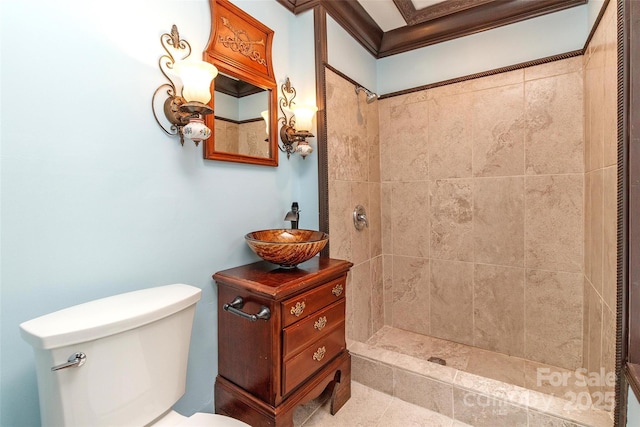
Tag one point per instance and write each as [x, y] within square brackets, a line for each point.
[75, 361]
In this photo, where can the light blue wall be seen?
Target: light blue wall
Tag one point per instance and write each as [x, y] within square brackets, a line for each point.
[512, 44]
[349, 57]
[96, 199]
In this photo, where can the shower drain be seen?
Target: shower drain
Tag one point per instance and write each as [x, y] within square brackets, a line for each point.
[437, 360]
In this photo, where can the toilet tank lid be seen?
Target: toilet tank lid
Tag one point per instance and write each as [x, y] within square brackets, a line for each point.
[107, 316]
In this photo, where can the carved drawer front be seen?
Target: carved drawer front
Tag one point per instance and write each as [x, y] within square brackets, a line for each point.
[301, 306]
[312, 358]
[312, 328]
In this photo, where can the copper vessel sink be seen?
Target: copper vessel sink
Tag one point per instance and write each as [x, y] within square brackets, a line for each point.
[286, 247]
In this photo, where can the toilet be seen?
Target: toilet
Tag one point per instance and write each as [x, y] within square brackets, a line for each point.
[118, 361]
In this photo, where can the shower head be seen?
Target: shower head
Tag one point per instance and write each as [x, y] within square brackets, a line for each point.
[371, 96]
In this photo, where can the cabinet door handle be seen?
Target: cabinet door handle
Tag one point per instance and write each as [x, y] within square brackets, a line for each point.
[337, 290]
[319, 355]
[320, 323]
[297, 309]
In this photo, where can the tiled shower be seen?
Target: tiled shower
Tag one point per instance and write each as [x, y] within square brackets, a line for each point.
[491, 205]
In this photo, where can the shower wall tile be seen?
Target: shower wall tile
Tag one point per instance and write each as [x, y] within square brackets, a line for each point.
[482, 83]
[498, 221]
[610, 107]
[358, 157]
[452, 287]
[586, 295]
[552, 299]
[411, 294]
[404, 150]
[339, 229]
[451, 204]
[410, 219]
[387, 284]
[595, 80]
[554, 212]
[360, 239]
[587, 225]
[610, 230]
[608, 348]
[498, 298]
[377, 294]
[374, 158]
[484, 175]
[374, 214]
[600, 160]
[595, 333]
[340, 106]
[554, 125]
[361, 302]
[555, 68]
[498, 131]
[386, 201]
[587, 79]
[596, 214]
[450, 138]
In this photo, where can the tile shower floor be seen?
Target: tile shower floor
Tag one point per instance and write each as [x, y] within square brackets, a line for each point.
[488, 364]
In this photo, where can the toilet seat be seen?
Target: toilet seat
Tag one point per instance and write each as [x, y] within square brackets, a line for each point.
[211, 420]
[199, 419]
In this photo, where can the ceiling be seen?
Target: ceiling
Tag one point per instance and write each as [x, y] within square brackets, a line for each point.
[389, 27]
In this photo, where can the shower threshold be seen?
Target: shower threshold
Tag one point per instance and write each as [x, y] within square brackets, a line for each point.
[477, 387]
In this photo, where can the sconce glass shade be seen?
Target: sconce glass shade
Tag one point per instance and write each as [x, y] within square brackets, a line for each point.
[265, 116]
[304, 116]
[196, 78]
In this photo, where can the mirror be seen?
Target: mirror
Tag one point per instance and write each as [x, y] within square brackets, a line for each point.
[244, 123]
[240, 127]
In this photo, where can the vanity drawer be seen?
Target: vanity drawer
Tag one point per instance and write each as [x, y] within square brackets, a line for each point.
[315, 356]
[313, 327]
[301, 306]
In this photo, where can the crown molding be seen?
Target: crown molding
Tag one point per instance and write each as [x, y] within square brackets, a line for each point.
[456, 18]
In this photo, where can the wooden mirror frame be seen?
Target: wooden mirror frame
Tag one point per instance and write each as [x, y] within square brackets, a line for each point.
[240, 46]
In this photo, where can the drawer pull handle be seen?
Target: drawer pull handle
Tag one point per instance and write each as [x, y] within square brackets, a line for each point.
[337, 290]
[236, 305]
[320, 323]
[319, 355]
[297, 309]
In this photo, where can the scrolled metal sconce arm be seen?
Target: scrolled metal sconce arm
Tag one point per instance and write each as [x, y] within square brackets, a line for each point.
[293, 140]
[178, 111]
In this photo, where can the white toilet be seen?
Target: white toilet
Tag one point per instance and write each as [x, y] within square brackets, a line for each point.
[122, 360]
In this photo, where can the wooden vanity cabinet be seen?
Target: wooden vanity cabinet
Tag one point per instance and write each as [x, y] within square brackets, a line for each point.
[266, 368]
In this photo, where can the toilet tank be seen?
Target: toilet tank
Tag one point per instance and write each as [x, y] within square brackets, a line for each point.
[136, 346]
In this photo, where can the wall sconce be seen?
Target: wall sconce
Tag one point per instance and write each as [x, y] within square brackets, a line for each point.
[295, 129]
[186, 108]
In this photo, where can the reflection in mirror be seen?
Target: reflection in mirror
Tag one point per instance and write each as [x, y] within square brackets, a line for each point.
[239, 125]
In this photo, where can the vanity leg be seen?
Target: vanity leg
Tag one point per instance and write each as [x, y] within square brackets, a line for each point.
[342, 386]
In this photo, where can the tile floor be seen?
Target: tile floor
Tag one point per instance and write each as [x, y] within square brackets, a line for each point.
[370, 408]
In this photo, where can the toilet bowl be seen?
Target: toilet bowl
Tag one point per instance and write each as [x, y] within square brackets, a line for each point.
[118, 361]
